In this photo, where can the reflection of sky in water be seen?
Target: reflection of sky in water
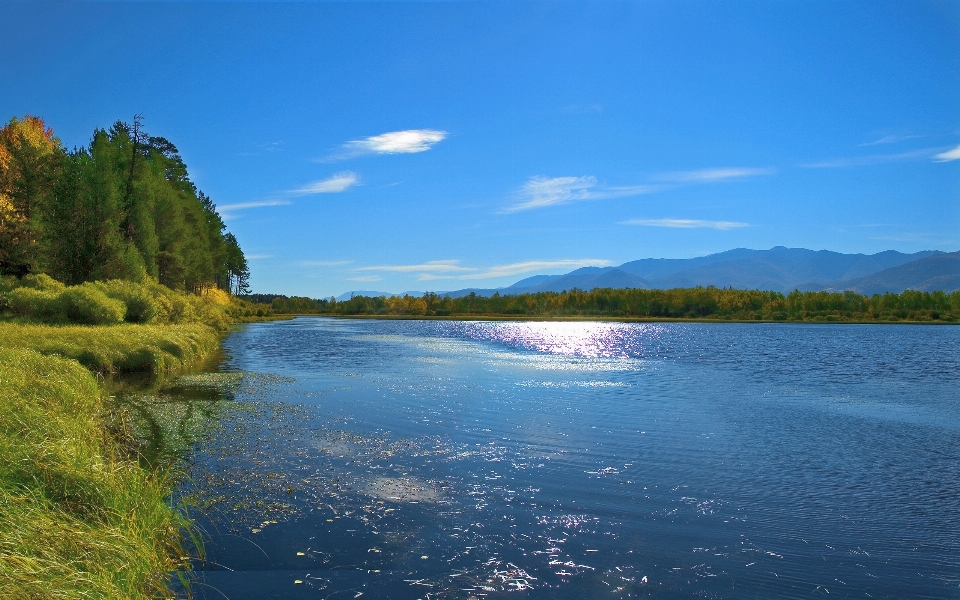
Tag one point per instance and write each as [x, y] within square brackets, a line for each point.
[603, 459]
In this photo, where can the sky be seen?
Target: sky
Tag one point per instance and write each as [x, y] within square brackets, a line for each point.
[438, 146]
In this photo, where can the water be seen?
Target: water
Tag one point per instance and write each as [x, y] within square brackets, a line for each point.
[447, 459]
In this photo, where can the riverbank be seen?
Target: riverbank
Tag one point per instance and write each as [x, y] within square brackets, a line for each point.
[78, 517]
[642, 305]
[612, 319]
[82, 514]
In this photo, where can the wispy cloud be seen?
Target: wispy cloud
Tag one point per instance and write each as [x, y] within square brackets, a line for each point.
[890, 139]
[451, 269]
[257, 256]
[246, 205]
[871, 159]
[949, 155]
[408, 141]
[713, 175]
[530, 266]
[365, 278]
[229, 212]
[686, 223]
[336, 183]
[433, 266]
[324, 263]
[540, 192]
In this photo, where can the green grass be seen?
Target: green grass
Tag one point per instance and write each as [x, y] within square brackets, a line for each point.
[77, 518]
[116, 348]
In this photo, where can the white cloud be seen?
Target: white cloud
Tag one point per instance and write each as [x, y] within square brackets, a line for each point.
[409, 141]
[948, 155]
[540, 192]
[711, 175]
[365, 278]
[686, 223]
[338, 182]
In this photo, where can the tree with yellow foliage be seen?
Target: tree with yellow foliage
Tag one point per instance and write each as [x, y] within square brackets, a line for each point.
[29, 155]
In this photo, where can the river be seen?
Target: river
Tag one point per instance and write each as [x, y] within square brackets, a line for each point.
[451, 459]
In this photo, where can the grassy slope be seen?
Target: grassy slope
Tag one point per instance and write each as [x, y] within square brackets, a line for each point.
[76, 519]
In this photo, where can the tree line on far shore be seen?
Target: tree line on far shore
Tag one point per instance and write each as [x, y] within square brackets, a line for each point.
[122, 207]
[708, 303]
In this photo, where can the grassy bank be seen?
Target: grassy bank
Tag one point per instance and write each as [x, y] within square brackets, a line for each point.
[77, 519]
[81, 514]
[117, 348]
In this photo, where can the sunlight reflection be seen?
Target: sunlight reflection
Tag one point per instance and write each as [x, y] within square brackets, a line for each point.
[587, 340]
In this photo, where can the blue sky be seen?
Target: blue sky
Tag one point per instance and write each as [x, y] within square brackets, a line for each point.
[436, 146]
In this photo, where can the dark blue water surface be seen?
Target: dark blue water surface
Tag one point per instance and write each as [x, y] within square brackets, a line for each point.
[450, 459]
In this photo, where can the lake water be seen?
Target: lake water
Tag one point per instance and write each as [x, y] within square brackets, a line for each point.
[448, 459]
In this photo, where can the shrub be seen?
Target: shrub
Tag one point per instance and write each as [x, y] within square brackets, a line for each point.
[42, 282]
[141, 305]
[35, 304]
[88, 305]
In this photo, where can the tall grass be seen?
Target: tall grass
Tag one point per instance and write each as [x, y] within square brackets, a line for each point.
[81, 514]
[117, 348]
[77, 519]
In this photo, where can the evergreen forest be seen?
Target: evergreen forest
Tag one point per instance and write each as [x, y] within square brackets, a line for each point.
[123, 207]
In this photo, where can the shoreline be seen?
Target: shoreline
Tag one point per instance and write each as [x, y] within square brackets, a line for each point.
[603, 319]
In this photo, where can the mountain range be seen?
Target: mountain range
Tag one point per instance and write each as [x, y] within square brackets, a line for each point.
[780, 269]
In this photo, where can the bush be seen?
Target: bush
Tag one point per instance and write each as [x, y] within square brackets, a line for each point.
[142, 307]
[42, 282]
[31, 303]
[88, 305]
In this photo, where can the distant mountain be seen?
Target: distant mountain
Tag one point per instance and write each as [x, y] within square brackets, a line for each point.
[927, 274]
[779, 269]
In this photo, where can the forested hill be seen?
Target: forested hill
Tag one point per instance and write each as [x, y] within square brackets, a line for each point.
[121, 208]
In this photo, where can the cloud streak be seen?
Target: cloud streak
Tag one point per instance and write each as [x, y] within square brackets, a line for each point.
[336, 183]
[246, 205]
[871, 159]
[686, 224]
[530, 266]
[890, 139]
[433, 266]
[540, 192]
[713, 175]
[324, 263]
[451, 269]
